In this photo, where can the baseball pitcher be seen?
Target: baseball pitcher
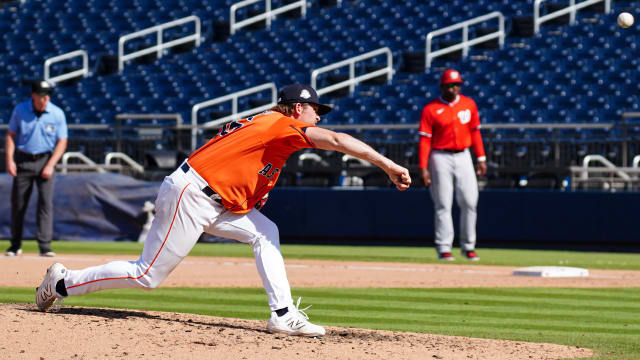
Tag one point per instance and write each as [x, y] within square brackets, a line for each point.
[216, 191]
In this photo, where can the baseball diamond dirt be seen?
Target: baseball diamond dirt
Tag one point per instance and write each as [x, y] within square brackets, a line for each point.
[109, 333]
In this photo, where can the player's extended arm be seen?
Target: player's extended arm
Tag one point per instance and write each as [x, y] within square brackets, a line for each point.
[330, 140]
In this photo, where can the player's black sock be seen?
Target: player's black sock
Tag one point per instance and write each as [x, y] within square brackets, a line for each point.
[282, 312]
[61, 288]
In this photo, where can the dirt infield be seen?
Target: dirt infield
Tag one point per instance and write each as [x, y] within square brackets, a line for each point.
[28, 270]
[85, 333]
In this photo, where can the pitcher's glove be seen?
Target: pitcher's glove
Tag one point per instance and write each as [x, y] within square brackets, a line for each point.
[260, 204]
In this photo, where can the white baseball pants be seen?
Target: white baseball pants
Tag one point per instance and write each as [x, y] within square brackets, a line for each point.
[453, 172]
[183, 213]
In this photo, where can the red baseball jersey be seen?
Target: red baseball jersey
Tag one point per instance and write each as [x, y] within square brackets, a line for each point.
[450, 126]
[243, 161]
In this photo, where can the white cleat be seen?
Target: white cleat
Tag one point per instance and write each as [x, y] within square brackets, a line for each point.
[13, 253]
[294, 322]
[46, 293]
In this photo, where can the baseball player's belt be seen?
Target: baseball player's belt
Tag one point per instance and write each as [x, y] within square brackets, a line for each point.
[207, 190]
[452, 151]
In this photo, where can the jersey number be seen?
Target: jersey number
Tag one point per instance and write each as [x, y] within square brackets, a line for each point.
[232, 126]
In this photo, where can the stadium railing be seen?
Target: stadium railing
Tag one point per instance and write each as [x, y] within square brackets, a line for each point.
[109, 157]
[483, 127]
[160, 45]
[87, 164]
[235, 114]
[84, 71]
[267, 16]
[466, 42]
[571, 9]
[607, 176]
[353, 80]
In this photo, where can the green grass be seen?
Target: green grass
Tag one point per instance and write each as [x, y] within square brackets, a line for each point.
[605, 320]
[507, 257]
[601, 319]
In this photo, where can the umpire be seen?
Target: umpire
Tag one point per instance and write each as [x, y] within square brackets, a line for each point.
[35, 142]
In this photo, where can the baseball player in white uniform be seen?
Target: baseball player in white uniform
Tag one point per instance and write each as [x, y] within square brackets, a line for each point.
[449, 125]
[216, 191]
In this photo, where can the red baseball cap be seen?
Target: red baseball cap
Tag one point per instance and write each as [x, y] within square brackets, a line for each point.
[450, 77]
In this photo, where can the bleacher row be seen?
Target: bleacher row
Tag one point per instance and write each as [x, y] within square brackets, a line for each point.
[587, 73]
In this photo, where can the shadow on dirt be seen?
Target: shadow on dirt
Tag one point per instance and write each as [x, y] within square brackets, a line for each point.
[113, 314]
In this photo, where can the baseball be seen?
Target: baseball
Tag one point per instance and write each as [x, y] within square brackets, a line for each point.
[625, 20]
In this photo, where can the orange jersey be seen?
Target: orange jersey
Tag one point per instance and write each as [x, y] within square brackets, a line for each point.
[243, 161]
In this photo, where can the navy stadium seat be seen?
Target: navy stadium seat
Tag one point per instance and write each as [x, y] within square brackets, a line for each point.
[582, 73]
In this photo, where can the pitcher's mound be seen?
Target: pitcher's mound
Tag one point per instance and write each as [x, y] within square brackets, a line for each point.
[91, 333]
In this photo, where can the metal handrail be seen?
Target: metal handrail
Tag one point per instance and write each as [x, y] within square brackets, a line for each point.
[482, 127]
[267, 15]
[124, 157]
[635, 163]
[84, 71]
[604, 161]
[608, 182]
[346, 158]
[466, 43]
[235, 115]
[353, 79]
[74, 126]
[631, 114]
[160, 45]
[309, 156]
[88, 163]
[404, 126]
[571, 9]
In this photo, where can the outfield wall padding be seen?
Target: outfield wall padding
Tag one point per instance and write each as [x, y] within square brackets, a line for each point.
[107, 207]
[96, 207]
[550, 218]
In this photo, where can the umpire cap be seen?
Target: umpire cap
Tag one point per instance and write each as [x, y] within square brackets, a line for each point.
[41, 87]
[300, 93]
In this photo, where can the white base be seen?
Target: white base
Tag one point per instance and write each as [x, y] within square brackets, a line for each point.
[552, 271]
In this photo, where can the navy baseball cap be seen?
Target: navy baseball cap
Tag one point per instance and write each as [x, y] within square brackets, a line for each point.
[41, 87]
[300, 93]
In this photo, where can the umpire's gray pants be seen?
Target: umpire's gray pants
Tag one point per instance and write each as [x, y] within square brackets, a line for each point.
[29, 172]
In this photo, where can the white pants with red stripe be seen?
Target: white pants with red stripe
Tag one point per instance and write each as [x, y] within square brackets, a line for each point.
[183, 213]
[453, 173]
